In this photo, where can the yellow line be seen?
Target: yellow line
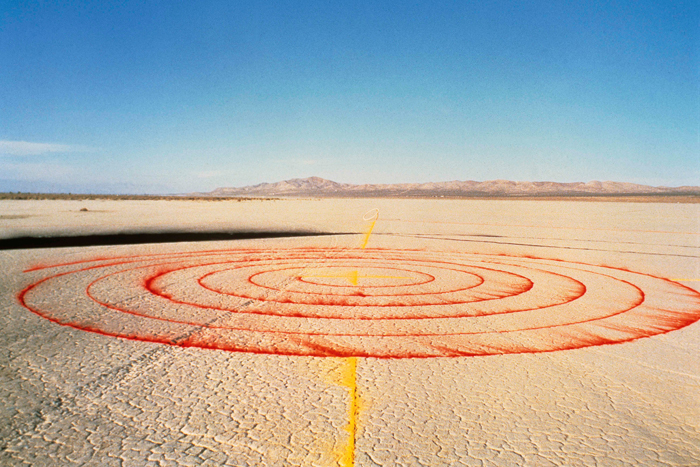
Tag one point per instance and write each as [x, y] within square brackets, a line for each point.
[350, 372]
[350, 381]
[371, 215]
[369, 232]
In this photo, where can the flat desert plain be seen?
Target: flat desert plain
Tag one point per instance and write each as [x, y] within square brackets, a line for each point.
[414, 333]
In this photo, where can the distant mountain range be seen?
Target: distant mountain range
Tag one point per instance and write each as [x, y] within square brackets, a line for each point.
[319, 187]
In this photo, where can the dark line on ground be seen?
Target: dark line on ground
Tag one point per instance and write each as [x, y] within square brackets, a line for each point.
[570, 240]
[432, 237]
[24, 243]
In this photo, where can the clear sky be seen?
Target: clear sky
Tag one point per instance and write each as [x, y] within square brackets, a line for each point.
[164, 96]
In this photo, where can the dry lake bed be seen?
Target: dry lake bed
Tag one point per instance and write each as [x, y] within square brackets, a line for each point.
[350, 332]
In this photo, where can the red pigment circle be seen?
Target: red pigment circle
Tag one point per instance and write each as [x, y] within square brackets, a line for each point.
[327, 305]
[359, 289]
[443, 304]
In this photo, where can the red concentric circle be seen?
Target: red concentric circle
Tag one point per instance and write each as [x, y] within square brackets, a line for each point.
[373, 302]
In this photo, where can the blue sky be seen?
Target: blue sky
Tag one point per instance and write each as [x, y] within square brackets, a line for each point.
[164, 97]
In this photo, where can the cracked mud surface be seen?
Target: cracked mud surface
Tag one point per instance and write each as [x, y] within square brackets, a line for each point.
[73, 397]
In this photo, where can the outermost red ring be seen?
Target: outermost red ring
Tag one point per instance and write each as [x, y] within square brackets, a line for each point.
[690, 316]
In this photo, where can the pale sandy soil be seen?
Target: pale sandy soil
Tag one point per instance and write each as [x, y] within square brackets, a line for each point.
[73, 397]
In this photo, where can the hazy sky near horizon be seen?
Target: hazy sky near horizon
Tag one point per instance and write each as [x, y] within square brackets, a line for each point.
[163, 97]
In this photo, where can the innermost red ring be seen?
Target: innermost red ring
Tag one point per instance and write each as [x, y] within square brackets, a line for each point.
[427, 278]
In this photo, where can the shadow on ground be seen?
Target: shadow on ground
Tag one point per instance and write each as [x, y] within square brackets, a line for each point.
[20, 243]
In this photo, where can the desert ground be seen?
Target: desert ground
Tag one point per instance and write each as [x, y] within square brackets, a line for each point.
[411, 333]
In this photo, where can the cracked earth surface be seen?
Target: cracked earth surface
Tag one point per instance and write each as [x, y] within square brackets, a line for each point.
[131, 378]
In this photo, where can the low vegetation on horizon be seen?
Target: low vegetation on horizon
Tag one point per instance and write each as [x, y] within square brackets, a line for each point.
[84, 197]
[639, 198]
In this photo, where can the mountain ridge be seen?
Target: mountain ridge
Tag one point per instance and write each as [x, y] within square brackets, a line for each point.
[320, 187]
